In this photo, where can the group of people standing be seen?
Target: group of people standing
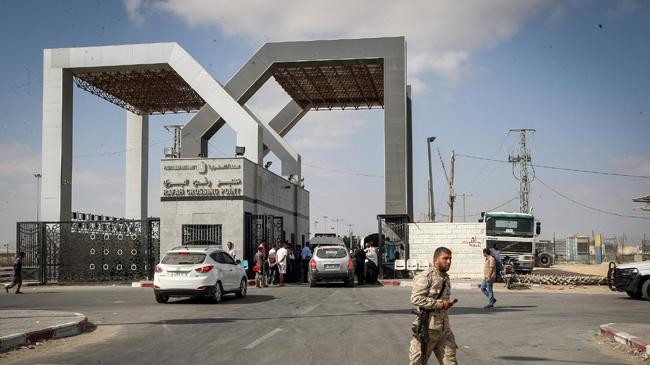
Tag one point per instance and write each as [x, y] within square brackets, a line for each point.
[279, 264]
[366, 264]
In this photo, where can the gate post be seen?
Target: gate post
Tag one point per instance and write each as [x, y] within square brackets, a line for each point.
[42, 254]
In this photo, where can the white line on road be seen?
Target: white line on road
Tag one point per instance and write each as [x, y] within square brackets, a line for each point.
[309, 309]
[262, 339]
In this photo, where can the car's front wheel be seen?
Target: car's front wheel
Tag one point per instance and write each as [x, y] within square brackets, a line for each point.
[243, 288]
[161, 298]
[645, 289]
[217, 296]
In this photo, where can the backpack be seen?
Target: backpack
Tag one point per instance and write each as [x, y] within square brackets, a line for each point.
[272, 258]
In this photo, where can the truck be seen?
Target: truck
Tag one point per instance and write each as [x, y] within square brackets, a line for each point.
[514, 234]
[632, 278]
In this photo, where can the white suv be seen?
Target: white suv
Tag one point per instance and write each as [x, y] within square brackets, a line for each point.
[198, 271]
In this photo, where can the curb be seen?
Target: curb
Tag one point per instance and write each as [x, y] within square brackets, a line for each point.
[53, 332]
[638, 344]
[142, 284]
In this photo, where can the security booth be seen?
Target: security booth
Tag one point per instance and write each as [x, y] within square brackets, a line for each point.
[220, 200]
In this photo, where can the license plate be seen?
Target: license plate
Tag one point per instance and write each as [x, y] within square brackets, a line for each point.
[331, 266]
[177, 273]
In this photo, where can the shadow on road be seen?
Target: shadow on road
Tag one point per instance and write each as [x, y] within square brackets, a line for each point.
[230, 299]
[520, 359]
[480, 310]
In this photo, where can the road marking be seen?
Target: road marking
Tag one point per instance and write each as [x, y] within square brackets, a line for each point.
[309, 309]
[262, 339]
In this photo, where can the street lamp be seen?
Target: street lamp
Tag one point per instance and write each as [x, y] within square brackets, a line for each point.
[432, 211]
[38, 196]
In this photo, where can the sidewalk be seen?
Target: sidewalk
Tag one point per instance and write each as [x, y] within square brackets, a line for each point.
[25, 327]
[634, 335]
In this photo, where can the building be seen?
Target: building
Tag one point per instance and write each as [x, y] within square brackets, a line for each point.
[216, 200]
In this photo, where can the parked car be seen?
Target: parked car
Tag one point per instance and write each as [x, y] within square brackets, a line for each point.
[331, 263]
[632, 278]
[198, 271]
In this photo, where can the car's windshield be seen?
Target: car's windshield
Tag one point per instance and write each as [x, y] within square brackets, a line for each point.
[183, 258]
[331, 252]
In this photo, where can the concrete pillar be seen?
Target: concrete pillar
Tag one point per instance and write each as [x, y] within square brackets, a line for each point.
[397, 139]
[56, 160]
[137, 166]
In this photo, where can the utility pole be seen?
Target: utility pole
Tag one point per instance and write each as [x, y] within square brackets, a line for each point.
[452, 192]
[176, 149]
[351, 243]
[432, 210]
[523, 160]
[38, 196]
[337, 220]
[464, 195]
[450, 182]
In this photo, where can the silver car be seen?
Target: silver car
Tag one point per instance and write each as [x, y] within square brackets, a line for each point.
[331, 263]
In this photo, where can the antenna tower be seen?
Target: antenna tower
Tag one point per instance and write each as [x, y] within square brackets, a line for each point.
[526, 170]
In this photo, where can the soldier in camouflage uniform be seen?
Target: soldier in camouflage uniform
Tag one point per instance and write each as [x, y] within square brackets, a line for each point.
[426, 288]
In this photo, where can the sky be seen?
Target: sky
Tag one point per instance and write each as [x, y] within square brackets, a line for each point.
[578, 72]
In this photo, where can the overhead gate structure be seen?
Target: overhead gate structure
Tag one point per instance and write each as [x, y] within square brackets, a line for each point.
[117, 250]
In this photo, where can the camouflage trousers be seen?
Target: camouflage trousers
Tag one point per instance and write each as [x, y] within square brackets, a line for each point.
[442, 344]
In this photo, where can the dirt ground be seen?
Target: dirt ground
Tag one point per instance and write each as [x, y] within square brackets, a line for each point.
[573, 269]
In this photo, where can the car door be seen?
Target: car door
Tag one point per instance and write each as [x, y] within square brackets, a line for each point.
[224, 270]
[232, 271]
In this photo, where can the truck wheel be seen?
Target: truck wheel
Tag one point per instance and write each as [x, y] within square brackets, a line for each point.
[545, 260]
[645, 289]
[635, 294]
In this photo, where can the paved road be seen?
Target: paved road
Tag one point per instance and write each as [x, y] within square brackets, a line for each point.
[324, 325]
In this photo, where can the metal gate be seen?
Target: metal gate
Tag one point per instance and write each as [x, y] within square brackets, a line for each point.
[261, 227]
[90, 251]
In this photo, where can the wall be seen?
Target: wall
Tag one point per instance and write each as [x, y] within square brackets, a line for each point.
[273, 195]
[465, 240]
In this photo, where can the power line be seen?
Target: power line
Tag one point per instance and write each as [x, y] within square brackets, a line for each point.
[559, 168]
[118, 152]
[341, 171]
[587, 206]
[489, 210]
[217, 148]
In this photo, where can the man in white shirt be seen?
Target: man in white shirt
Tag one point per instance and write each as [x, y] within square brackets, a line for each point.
[272, 260]
[282, 261]
[373, 269]
[231, 251]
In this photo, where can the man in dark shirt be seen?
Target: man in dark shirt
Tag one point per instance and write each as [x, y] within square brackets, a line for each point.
[18, 274]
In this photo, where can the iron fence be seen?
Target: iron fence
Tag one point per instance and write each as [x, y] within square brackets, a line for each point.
[90, 251]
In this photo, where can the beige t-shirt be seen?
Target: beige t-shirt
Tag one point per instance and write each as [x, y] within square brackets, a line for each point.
[490, 268]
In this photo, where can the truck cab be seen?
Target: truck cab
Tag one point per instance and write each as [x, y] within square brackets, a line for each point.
[632, 278]
[514, 235]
